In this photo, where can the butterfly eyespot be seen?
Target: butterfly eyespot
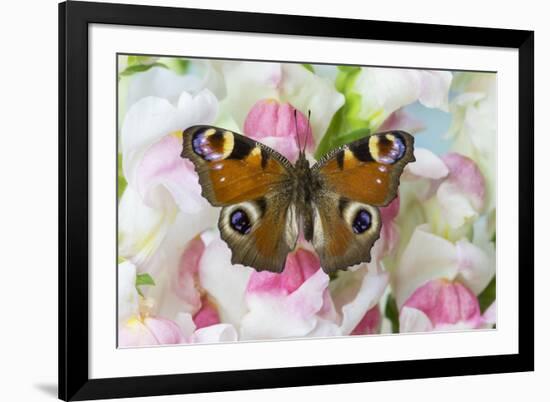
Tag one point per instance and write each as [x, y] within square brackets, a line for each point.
[362, 222]
[240, 221]
[387, 149]
[211, 144]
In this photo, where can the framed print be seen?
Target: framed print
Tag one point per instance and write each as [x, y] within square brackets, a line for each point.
[259, 200]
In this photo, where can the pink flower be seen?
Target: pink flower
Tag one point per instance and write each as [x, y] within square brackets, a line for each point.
[401, 120]
[465, 177]
[441, 304]
[162, 186]
[286, 304]
[355, 295]
[148, 331]
[137, 326]
[163, 167]
[451, 190]
[299, 267]
[177, 316]
[185, 283]
[207, 315]
[389, 235]
[428, 256]
[370, 323]
[274, 124]
[186, 293]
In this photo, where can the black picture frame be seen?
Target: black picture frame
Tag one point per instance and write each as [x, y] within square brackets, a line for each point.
[74, 19]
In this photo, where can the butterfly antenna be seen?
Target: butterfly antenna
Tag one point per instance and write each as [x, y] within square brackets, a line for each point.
[308, 128]
[296, 127]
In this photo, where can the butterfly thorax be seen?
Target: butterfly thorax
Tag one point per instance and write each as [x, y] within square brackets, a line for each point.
[306, 186]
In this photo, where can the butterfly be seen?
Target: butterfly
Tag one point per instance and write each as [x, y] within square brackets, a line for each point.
[267, 201]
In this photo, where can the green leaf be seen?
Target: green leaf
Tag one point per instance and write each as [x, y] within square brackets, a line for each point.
[488, 296]
[144, 279]
[328, 143]
[138, 68]
[308, 67]
[177, 65]
[346, 124]
[136, 59]
[121, 183]
[392, 313]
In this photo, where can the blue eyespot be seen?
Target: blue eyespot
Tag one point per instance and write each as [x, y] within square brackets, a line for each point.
[395, 152]
[398, 149]
[362, 222]
[240, 222]
[202, 145]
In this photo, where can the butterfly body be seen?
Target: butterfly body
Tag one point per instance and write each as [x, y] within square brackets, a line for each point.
[267, 201]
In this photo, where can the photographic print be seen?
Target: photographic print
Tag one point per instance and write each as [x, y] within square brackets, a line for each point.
[272, 200]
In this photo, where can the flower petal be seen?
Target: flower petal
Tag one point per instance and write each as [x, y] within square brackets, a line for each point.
[163, 83]
[164, 178]
[370, 323]
[299, 267]
[307, 91]
[247, 83]
[476, 267]
[356, 292]
[385, 90]
[445, 302]
[165, 331]
[277, 123]
[207, 315]
[427, 165]
[225, 283]
[425, 257]
[435, 87]
[186, 325]
[413, 320]
[216, 333]
[151, 118]
[401, 120]
[128, 298]
[465, 174]
[141, 229]
[278, 316]
[473, 126]
[490, 315]
[185, 285]
[134, 333]
[389, 235]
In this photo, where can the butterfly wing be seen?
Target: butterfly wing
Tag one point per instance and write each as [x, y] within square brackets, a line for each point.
[354, 180]
[254, 185]
[339, 240]
[368, 169]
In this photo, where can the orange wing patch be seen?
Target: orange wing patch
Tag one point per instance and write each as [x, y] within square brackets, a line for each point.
[232, 168]
[368, 170]
[237, 180]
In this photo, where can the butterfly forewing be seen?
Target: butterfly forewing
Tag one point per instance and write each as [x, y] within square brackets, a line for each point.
[368, 169]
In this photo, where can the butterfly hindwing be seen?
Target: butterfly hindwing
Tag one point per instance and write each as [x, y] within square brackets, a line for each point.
[253, 184]
[343, 231]
[260, 233]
